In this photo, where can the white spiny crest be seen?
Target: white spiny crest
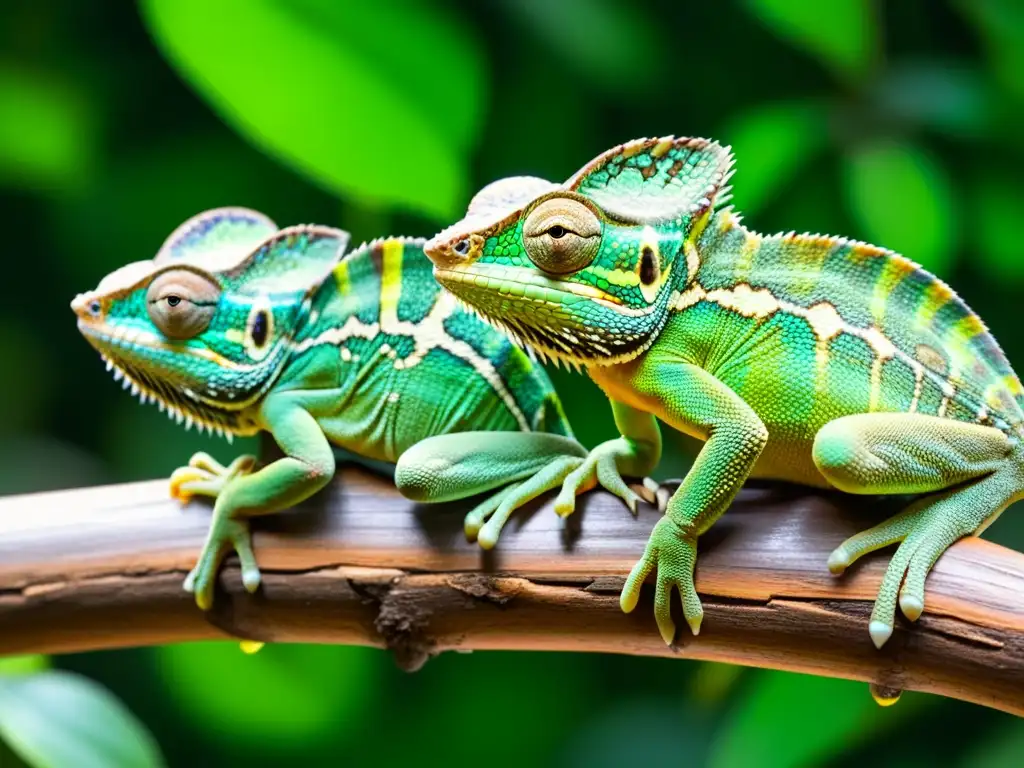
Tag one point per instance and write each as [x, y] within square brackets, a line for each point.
[147, 395]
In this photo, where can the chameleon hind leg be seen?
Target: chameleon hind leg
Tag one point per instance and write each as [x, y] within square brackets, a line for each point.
[462, 464]
[308, 465]
[968, 472]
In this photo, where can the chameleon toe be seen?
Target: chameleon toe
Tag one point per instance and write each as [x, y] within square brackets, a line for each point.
[838, 561]
[912, 606]
[880, 633]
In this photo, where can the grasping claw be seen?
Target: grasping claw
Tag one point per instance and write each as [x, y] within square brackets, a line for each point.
[205, 476]
[926, 530]
[602, 467]
[225, 533]
[674, 554]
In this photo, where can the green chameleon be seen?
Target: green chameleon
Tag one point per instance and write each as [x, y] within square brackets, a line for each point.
[238, 327]
[804, 358]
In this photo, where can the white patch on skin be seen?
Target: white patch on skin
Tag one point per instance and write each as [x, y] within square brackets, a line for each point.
[825, 321]
[692, 259]
[918, 385]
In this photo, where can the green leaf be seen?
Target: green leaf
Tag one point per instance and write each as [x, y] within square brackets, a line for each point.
[997, 205]
[1000, 749]
[841, 33]
[48, 135]
[951, 97]
[772, 143]
[365, 107]
[779, 723]
[280, 697]
[903, 200]
[604, 40]
[56, 719]
[465, 708]
[1001, 23]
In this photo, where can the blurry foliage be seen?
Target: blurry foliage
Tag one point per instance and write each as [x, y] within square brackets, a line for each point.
[381, 117]
[54, 718]
[896, 123]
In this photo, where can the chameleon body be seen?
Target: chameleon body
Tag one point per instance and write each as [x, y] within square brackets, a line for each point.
[238, 327]
[799, 357]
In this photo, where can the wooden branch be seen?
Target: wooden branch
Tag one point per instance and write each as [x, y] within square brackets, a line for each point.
[357, 564]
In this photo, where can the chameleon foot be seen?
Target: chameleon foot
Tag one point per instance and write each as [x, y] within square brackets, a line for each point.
[205, 476]
[485, 521]
[224, 533]
[926, 530]
[674, 553]
[601, 467]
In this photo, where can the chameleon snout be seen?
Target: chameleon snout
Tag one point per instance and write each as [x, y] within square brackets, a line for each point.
[87, 307]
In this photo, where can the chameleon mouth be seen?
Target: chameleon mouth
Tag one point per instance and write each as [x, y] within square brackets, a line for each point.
[538, 315]
[180, 403]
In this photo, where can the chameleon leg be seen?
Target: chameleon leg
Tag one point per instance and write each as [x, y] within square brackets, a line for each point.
[635, 454]
[690, 399]
[968, 471]
[458, 465]
[307, 466]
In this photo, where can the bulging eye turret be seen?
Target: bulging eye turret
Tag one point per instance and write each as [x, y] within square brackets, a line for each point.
[181, 303]
[562, 235]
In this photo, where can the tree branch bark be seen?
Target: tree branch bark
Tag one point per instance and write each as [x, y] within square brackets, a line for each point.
[358, 564]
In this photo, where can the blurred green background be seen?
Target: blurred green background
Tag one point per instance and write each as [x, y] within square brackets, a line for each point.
[898, 123]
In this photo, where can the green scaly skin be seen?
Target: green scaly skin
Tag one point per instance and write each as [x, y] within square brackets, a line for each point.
[804, 358]
[366, 354]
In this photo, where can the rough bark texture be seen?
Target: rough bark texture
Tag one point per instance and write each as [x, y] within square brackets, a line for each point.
[358, 564]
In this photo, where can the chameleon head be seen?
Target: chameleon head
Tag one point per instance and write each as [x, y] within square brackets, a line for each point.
[584, 271]
[204, 328]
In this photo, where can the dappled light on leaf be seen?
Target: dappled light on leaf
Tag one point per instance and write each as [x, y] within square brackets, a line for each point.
[55, 719]
[841, 33]
[282, 696]
[48, 134]
[789, 720]
[772, 144]
[903, 200]
[320, 91]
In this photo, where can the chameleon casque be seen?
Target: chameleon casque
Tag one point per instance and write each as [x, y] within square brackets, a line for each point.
[236, 326]
[798, 357]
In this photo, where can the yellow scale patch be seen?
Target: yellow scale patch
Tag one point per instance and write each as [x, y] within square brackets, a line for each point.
[893, 271]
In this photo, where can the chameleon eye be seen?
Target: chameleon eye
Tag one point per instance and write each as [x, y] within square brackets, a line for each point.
[462, 247]
[561, 235]
[259, 330]
[181, 303]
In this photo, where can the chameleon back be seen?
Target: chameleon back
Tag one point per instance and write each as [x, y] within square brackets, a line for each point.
[874, 314]
[412, 363]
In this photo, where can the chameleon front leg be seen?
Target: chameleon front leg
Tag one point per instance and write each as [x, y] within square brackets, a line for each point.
[307, 467]
[969, 471]
[458, 465]
[690, 399]
[205, 476]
